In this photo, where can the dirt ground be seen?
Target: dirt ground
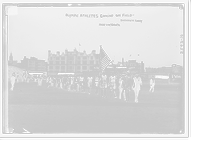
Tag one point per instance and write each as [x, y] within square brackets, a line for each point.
[42, 110]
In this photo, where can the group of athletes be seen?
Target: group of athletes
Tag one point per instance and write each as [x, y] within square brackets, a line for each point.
[124, 82]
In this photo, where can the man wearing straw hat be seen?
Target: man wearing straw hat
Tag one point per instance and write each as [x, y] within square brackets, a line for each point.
[128, 84]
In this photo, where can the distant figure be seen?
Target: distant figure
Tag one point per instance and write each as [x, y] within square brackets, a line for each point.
[89, 84]
[104, 85]
[97, 80]
[136, 88]
[39, 81]
[128, 84]
[152, 85]
[48, 79]
[12, 81]
[81, 81]
[17, 78]
[113, 85]
[71, 88]
[122, 89]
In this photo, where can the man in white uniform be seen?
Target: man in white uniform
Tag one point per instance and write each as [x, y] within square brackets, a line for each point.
[113, 84]
[97, 79]
[128, 84]
[82, 83]
[104, 84]
[136, 87]
[12, 81]
[72, 83]
[152, 85]
[89, 81]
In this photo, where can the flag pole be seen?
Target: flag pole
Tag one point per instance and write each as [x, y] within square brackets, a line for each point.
[111, 61]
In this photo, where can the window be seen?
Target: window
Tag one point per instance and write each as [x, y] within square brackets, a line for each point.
[57, 58]
[62, 62]
[50, 67]
[91, 62]
[57, 67]
[78, 67]
[71, 62]
[51, 62]
[62, 67]
[71, 58]
[84, 67]
[84, 63]
[62, 58]
[78, 62]
[57, 62]
[70, 67]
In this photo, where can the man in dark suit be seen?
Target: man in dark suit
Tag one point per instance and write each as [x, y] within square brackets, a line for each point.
[137, 86]
[12, 81]
[152, 84]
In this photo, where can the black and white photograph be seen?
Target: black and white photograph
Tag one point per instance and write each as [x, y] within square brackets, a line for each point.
[95, 70]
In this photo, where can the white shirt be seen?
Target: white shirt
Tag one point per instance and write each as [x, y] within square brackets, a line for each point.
[104, 79]
[81, 79]
[89, 80]
[112, 80]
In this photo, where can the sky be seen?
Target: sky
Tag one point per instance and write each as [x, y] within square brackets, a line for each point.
[154, 39]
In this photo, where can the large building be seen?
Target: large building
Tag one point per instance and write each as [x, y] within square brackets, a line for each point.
[72, 62]
[165, 70]
[150, 69]
[33, 64]
[132, 65]
[12, 62]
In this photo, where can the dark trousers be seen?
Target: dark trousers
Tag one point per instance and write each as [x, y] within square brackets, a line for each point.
[136, 91]
[120, 93]
[12, 86]
[151, 88]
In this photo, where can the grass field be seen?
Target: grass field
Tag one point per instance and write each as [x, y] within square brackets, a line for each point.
[41, 110]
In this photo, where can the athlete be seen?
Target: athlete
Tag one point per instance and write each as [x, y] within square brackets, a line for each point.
[113, 85]
[96, 85]
[104, 85]
[90, 84]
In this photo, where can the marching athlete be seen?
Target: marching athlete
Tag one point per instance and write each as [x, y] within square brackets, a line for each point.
[137, 83]
[96, 85]
[90, 84]
[152, 85]
[104, 85]
[71, 83]
[113, 85]
[12, 81]
[128, 84]
[81, 82]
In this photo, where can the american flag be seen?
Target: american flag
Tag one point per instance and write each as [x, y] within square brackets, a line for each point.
[104, 59]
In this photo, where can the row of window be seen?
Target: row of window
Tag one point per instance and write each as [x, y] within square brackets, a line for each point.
[72, 62]
[72, 58]
[70, 67]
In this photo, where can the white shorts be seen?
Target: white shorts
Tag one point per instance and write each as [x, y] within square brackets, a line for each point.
[104, 86]
[89, 84]
[96, 84]
[113, 86]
